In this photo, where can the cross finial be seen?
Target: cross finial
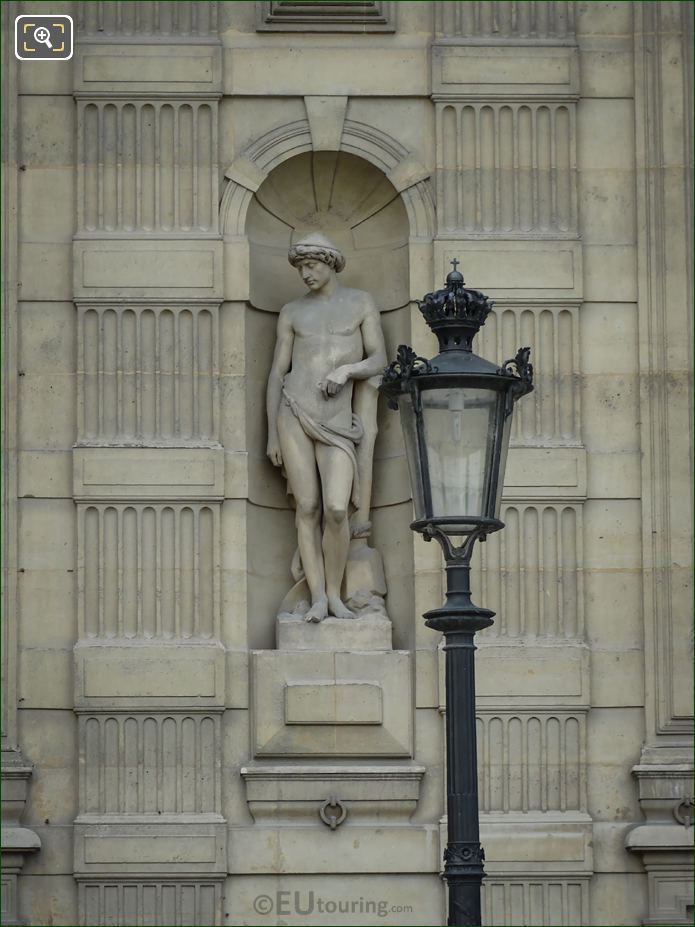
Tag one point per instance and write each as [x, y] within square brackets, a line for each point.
[455, 263]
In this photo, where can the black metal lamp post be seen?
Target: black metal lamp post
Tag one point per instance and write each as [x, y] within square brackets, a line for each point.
[456, 413]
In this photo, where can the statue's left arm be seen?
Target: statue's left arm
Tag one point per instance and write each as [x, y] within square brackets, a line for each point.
[374, 359]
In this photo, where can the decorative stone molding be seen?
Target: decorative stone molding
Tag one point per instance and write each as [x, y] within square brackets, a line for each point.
[665, 841]
[326, 117]
[155, 270]
[506, 169]
[519, 272]
[363, 699]
[340, 16]
[551, 416]
[504, 73]
[156, 901]
[663, 106]
[168, 20]
[141, 71]
[288, 794]
[663, 121]
[147, 167]
[505, 22]
[532, 761]
[555, 902]
[16, 842]
[247, 172]
[131, 390]
[532, 573]
[150, 839]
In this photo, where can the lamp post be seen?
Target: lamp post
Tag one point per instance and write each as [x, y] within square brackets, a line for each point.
[456, 413]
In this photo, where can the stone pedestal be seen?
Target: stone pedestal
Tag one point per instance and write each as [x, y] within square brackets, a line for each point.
[665, 841]
[369, 632]
[17, 841]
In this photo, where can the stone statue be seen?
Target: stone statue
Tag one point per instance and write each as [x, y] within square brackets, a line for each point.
[321, 405]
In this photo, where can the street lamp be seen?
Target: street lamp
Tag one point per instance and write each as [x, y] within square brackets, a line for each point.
[456, 413]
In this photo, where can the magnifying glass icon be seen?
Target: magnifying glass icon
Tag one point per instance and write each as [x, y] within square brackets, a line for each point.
[42, 35]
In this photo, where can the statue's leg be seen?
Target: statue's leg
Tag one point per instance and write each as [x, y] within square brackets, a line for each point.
[337, 474]
[300, 466]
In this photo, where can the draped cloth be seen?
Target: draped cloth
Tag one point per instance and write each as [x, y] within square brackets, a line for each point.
[344, 438]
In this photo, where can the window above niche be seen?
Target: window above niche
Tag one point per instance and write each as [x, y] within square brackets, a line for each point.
[326, 16]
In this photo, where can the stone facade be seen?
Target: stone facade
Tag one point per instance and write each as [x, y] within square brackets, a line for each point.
[163, 761]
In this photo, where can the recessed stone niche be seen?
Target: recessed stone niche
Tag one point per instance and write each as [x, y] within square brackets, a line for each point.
[351, 201]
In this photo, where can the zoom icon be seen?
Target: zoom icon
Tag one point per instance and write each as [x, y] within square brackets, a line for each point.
[43, 38]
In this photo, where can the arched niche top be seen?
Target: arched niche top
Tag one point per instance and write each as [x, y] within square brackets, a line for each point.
[349, 200]
[247, 172]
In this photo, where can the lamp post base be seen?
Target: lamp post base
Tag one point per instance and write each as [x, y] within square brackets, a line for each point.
[464, 874]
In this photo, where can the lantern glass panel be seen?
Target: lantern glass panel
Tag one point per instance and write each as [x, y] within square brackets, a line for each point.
[450, 447]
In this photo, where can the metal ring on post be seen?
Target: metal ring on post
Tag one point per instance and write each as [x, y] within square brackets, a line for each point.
[333, 820]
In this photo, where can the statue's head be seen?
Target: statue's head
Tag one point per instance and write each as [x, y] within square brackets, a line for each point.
[316, 247]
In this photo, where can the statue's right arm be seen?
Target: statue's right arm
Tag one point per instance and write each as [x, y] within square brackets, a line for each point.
[282, 360]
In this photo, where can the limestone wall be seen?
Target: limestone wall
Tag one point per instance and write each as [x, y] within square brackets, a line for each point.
[152, 187]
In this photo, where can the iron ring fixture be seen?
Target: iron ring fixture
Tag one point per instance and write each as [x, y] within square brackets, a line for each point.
[333, 820]
[683, 812]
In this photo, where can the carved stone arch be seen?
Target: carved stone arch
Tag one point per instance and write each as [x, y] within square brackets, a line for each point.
[248, 171]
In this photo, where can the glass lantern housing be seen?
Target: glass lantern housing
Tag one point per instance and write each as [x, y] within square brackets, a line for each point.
[456, 414]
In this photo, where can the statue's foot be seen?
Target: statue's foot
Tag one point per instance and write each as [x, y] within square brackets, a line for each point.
[317, 612]
[338, 608]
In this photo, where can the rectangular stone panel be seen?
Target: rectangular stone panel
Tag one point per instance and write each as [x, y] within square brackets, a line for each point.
[531, 760]
[148, 674]
[550, 902]
[251, 71]
[538, 271]
[155, 269]
[551, 414]
[343, 703]
[125, 903]
[150, 848]
[102, 19]
[501, 21]
[532, 573]
[147, 167]
[549, 72]
[148, 373]
[148, 570]
[143, 762]
[545, 473]
[123, 848]
[506, 168]
[534, 674]
[345, 722]
[148, 473]
[118, 68]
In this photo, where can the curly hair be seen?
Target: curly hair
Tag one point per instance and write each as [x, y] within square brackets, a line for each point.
[308, 251]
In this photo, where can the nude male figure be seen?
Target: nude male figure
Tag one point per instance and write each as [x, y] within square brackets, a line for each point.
[326, 339]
